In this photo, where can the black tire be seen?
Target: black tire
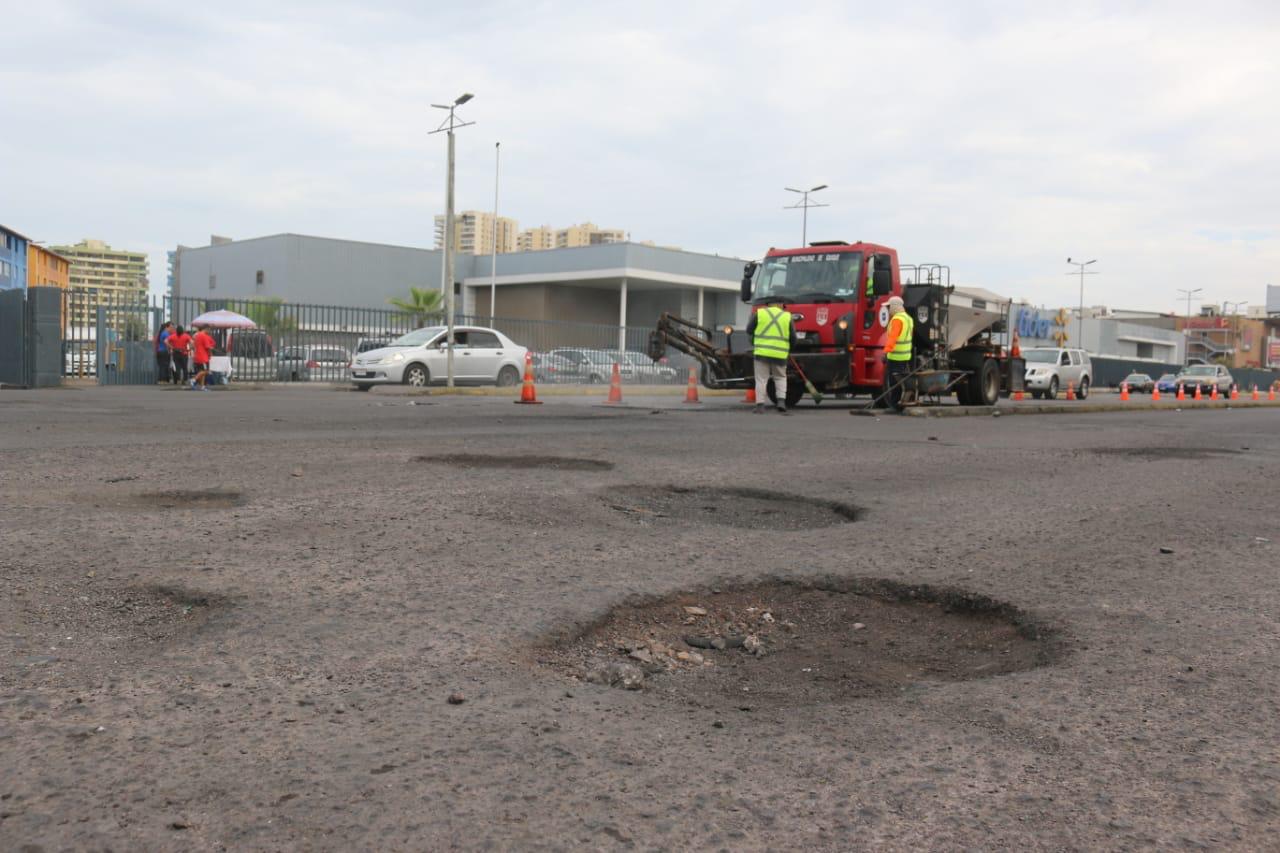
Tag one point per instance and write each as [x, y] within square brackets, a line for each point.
[417, 375]
[988, 391]
[795, 390]
[508, 377]
[1051, 393]
[364, 387]
[1083, 393]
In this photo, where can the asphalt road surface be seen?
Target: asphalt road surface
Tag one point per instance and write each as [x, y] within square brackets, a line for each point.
[236, 620]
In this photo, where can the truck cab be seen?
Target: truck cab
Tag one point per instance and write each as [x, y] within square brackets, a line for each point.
[839, 325]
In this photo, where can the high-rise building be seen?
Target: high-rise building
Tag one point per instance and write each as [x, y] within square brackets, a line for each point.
[537, 239]
[587, 234]
[473, 232]
[109, 276]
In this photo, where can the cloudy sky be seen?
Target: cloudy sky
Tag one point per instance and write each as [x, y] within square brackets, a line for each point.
[996, 137]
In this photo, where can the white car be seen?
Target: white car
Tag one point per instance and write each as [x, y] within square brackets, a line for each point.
[480, 357]
[1050, 370]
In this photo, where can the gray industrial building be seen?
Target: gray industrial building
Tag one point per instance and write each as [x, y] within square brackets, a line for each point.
[622, 284]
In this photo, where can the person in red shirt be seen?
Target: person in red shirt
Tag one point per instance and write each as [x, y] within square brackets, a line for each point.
[204, 344]
[179, 344]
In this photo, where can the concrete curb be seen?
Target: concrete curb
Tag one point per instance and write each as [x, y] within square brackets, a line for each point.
[1079, 408]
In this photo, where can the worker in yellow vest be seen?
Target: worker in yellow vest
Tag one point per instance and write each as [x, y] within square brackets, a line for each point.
[897, 350]
[772, 337]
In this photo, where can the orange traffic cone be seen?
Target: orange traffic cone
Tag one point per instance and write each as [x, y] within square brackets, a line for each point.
[750, 399]
[1235, 392]
[615, 385]
[1182, 393]
[1254, 395]
[1213, 392]
[1198, 395]
[691, 395]
[1155, 393]
[1071, 390]
[1017, 396]
[1124, 392]
[528, 394]
[1271, 394]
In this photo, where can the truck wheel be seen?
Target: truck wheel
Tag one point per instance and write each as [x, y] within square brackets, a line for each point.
[795, 392]
[1052, 392]
[988, 391]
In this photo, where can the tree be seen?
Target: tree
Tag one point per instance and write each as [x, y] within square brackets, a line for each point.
[267, 314]
[423, 304]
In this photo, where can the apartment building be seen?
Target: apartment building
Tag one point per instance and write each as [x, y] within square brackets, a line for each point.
[474, 232]
[46, 268]
[537, 239]
[587, 234]
[13, 259]
[109, 276]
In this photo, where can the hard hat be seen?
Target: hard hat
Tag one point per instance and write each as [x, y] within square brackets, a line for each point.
[895, 300]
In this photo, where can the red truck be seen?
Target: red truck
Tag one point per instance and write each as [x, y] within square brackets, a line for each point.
[837, 294]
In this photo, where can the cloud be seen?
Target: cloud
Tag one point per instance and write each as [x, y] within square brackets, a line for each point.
[996, 137]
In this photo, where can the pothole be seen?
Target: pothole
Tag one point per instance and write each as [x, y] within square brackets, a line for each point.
[190, 499]
[783, 643]
[1171, 453]
[728, 507]
[518, 461]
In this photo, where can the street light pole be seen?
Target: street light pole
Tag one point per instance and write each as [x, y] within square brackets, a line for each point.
[493, 259]
[804, 205]
[449, 125]
[1082, 273]
[1189, 294]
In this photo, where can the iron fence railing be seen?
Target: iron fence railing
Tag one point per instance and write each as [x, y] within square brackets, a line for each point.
[110, 335]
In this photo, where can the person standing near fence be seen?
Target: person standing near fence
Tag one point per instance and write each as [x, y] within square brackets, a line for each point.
[204, 344]
[179, 342]
[164, 359]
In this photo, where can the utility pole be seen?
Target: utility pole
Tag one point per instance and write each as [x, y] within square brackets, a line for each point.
[1189, 294]
[1082, 273]
[449, 125]
[493, 259]
[804, 205]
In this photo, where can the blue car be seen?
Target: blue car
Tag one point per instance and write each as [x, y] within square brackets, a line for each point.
[1166, 384]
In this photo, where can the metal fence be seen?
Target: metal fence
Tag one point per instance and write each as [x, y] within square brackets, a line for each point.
[111, 335]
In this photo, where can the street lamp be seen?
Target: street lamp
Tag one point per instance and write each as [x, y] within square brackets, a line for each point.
[448, 125]
[1189, 294]
[804, 205]
[1082, 273]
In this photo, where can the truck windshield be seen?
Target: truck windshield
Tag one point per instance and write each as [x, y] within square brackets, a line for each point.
[800, 277]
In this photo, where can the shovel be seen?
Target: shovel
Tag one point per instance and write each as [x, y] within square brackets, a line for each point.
[808, 386]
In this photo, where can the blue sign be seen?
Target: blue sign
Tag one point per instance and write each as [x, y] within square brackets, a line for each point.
[1032, 325]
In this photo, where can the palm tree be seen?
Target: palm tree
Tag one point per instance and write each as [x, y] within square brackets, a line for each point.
[423, 304]
[267, 314]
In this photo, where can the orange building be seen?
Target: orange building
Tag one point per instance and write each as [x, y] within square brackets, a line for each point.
[46, 268]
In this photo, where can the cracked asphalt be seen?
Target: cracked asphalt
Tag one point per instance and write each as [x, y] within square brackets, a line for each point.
[269, 667]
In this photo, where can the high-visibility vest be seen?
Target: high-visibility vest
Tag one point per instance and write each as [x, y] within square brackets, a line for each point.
[772, 338]
[902, 350]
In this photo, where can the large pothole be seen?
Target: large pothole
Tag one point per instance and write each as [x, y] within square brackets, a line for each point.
[799, 642]
[728, 507]
[518, 461]
[1191, 454]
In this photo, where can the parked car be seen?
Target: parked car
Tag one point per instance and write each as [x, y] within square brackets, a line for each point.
[253, 356]
[1167, 383]
[646, 369]
[366, 344]
[480, 357]
[1051, 369]
[313, 364]
[553, 368]
[1139, 383]
[595, 366]
[1205, 377]
[80, 362]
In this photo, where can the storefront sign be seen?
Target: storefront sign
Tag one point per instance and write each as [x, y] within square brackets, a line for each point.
[1273, 352]
[1031, 325]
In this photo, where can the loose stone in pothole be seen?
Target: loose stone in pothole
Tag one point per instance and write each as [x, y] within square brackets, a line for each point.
[784, 643]
[727, 507]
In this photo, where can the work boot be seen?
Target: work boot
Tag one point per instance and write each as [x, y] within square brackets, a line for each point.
[782, 410]
[758, 409]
